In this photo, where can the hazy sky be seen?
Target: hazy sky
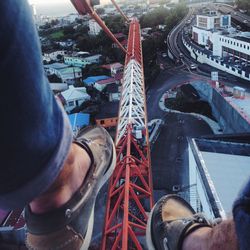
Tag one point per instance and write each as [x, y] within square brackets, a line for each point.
[55, 7]
[46, 2]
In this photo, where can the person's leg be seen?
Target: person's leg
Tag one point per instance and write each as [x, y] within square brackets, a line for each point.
[173, 225]
[66, 222]
[66, 184]
[222, 236]
[241, 213]
[39, 163]
[35, 133]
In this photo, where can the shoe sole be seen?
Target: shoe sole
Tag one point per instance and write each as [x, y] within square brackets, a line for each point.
[104, 179]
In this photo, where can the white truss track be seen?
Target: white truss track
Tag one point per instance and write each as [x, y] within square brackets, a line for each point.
[132, 109]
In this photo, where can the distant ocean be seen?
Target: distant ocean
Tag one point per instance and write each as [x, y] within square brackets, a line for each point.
[57, 9]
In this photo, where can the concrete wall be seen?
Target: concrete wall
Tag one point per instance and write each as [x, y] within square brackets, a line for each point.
[203, 58]
[229, 119]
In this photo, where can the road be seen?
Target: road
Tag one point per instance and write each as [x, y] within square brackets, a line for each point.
[176, 47]
[169, 154]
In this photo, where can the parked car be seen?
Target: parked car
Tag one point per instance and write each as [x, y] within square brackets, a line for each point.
[245, 21]
[193, 66]
[164, 54]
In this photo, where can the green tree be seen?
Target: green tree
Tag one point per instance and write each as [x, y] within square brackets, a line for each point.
[243, 4]
[54, 78]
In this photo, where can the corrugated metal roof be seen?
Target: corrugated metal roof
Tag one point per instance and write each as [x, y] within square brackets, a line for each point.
[93, 79]
[79, 120]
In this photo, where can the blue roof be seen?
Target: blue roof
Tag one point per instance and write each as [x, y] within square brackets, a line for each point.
[93, 79]
[78, 120]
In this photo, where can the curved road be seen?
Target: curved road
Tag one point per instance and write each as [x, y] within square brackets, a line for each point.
[169, 154]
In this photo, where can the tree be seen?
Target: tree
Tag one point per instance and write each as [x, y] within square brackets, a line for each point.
[243, 4]
[100, 11]
[54, 78]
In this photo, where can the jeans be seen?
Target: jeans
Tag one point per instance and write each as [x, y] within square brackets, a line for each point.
[35, 132]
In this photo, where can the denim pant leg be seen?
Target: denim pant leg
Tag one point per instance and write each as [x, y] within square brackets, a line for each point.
[35, 133]
[241, 213]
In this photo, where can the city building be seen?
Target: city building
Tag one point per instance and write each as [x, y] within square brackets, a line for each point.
[216, 43]
[236, 45]
[78, 120]
[208, 24]
[114, 68]
[82, 61]
[73, 97]
[58, 87]
[69, 75]
[71, 18]
[108, 115]
[102, 84]
[99, 82]
[55, 55]
[94, 28]
[218, 168]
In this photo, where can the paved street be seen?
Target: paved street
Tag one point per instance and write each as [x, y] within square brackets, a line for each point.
[169, 154]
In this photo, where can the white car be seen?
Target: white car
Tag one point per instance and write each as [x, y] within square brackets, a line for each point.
[193, 66]
[245, 21]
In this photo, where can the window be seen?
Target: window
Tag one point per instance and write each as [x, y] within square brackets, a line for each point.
[71, 103]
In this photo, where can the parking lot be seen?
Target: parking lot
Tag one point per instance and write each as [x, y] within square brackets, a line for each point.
[234, 62]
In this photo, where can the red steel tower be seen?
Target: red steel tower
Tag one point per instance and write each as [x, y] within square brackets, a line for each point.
[130, 193]
[130, 188]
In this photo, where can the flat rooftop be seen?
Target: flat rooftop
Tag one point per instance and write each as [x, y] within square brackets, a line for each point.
[226, 166]
[241, 105]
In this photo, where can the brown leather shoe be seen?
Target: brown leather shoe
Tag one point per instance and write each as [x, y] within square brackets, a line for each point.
[170, 221]
[70, 226]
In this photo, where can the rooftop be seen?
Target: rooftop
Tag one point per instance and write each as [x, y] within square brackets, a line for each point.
[75, 93]
[224, 168]
[241, 105]
[79, 120]
[107, 81]
[70, 70]
[56, 66]
[108, 110]
[93, 79]
[116, 65]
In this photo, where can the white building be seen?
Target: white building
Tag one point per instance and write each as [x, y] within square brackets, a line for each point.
[207, 25]
[54, 55]
[218, 169]
[74, 97]
[82, 62]
[68, 74]
[94, 28]
[235, 44]
[115, 68]
[71, 18]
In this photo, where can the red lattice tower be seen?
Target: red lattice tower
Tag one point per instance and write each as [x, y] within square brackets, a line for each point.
[130, 193]
[130, 189]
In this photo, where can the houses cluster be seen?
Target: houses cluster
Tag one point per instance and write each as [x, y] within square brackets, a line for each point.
[70, 68]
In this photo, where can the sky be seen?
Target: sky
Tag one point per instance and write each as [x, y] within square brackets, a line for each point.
[47, 2]
[54, 7]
